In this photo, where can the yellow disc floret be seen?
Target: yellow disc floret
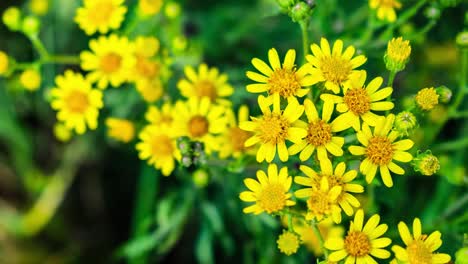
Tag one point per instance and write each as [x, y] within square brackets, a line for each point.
[427, 98]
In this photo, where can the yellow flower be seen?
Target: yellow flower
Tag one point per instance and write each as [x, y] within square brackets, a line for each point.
[427, 98]
[320, 135]
[362, 242]
[270, 193]
[110, 61]
[147, 46]
[340, 178]
[76, 101]
[333, 67]
[39, 7]
[232, 141]
[207, 83]
[274, 128]
[358, 102]
[385, 9]
[380, 149]
[158, 116]
[149, 7]
[4, 63]
[201, 120]
[146, 68]
[157, 145]
[419, 247]
[100, 15]
[150, 90]
[397, 54]
[30, 79]
[284, 80]
[308, 237]
[288, 242]
[120, 129]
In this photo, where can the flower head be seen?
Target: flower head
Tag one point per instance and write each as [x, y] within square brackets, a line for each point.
[110, 60]
[405, 122]
[233, 139]
[288, 242]
[385, 9]
[334, 67]
[274, 128]
[362, 242]
[162, 115]
[4, 63]
[76, 101]
[146, 67]
[270, 193]
[419, 247]
[120, 129]
[30, 79]
[427, 98]
[150, 90]
[285, 80]
[426, 163]
[397, 54]
[208, 82]
[359, 102]
[380, 149]
[320, 134]
[100, 15]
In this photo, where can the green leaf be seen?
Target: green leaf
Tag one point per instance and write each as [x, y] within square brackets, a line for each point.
[204, 247]
[212, 215]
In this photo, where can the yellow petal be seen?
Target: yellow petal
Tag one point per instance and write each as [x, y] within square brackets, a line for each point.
[274, 59]
[405, 233]
[262, 67]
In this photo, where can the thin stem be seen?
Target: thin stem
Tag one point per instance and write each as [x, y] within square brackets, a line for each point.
[62, 59]
[305, 38]
[391, 78]
[314, 225]
[40, 48]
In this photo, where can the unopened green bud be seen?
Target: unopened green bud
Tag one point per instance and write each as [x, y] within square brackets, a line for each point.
[445, 94]
[179, 43]
[461, 256]
[200, 178]
[397, 54]
[285, 4]
[12, 18]
[300, 12]
[172, 10]
[405, 122]
[31, 25]
[184, 145]
[462, 39]
[186, 161]
[432, 12]
[426, 163]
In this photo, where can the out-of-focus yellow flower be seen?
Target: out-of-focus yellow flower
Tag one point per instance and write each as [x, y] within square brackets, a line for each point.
[419, 247]
[146, 67]
[308, 237]
[208, 82]
[76, 101]
[397, 54]
[149, 7]
[172, 10]
[61, 132]
[163, 115]
[30, 79]
[12, 18]
[274, 127]
[110, 60]
[146, 46]
[333, 66]
[385, 9]
[4, 63]
[120, 129]
[150, 90]
[232, 141]
[427, 98]
[39, 7]
[288, 242]
[100, 15]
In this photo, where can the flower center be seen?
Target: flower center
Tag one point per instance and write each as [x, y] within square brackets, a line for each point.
[357, 244]
[198, 126]
[427, 98]
[418, 253]
[146, 68]
[110, 62]
[77, 101]
[238, 137]
[284, 82]
[206, 88]
[319, 133]
[357, 100]
[272, 198]
[318, 203]
[273, 128]
[101, 12]
[162, 146]
[335, 69]
[380, 150]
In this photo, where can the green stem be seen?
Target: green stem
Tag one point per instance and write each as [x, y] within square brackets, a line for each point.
[452, 145]
[40, 48]
[314, 225]
[305, 38]
[369, 29]
[461, 114]
[62, 59]
[391, 78]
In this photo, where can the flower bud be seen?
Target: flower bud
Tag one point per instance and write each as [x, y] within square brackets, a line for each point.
[31, 25]
[186, 161]
[12, 18]
[4, 63]
[405, 122]
[179, 43]
[30, 79]
[39, 7]
[200, 178]
[432, 12]
[300, 12]
[445, 94]
[184, 145]
[426, 163]
[172, 10]
[149, 7]
[462, 39]
[285, 4]
[427, 99]
[461, 256]
[397, 54]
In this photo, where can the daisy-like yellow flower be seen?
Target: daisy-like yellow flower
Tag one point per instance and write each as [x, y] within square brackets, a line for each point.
[334, 67]
[320, 135]
[380, 149]
[149, 7]
[288, 242]
[110, 60]
[158, 146]
[76, 101]
[284, 80]
[340, 177]
[427, 98]
[270, 193]
[207, 83]
[150, 90]
[163, 115]
[385, 9]
[232, 141]
[146, 67]
[358, 102]
[362, 243]
[100, 15]
[31, 79]
[274, 128]
[120, 129]
[201, 120]
[419, 247]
